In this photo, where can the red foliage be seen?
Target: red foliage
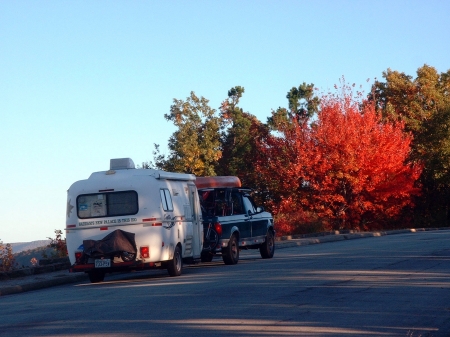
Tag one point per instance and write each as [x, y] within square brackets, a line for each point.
[348, 168]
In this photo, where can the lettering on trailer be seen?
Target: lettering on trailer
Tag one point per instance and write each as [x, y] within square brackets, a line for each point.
[86, 223]
[168, 218]
[106, 222]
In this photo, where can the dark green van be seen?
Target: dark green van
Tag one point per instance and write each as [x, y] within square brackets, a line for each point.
[232, 221]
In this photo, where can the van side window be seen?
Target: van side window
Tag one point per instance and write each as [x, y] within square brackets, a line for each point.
[166, 200]
[248, 204]
[236, 203]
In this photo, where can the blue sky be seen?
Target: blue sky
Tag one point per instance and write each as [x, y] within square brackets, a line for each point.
[82, 82]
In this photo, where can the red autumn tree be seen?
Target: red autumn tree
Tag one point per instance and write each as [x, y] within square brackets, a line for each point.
[358, 165]
[347, 167]
[281, 165]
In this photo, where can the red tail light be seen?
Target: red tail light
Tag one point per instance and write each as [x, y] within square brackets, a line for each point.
[78, 256]
[218, 228]
[145, 252]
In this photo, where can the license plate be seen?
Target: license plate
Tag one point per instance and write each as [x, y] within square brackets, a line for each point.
[103, 263]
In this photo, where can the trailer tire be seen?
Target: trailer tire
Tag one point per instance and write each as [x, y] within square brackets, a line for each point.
[206, 257]
[175, 266]
[230, 254]
[96, 276]
[267, 248]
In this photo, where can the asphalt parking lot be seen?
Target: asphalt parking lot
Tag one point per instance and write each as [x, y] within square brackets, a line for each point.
[39, 281]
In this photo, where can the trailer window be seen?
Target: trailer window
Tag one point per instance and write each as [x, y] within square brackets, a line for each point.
[107, 204]
[166, 200]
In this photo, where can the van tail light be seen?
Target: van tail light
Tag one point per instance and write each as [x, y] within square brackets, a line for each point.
[145, 252]
[218, 228]
[78, 256]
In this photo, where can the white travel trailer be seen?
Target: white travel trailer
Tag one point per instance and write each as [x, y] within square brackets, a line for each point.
[127, 218]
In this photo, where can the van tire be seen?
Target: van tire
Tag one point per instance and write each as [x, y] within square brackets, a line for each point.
[267, 248]
[230, 254]
[96, 276]
[175, 266]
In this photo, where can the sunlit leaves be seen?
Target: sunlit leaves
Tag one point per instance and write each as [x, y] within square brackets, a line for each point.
[412, 100]
[349, 168]
[195, 145]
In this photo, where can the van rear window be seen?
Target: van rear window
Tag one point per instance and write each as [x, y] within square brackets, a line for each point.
[107, 204]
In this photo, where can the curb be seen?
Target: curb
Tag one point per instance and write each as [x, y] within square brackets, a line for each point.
[309, 239]
[43, 269]
[42, 284]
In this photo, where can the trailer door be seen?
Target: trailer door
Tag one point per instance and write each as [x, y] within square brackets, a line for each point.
[196, 221]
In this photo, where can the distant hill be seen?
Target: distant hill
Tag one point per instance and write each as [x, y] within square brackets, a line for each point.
[23, 259]
[25, 251]
[22, 246]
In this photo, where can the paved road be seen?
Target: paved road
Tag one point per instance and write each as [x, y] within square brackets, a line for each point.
[396, 285]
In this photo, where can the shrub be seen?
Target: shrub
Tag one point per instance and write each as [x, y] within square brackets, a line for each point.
[59, 244]
[7, 260]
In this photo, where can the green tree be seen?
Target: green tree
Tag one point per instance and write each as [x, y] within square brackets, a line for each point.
[239, 142]
[422, 103]
[235, 136]
[411, 100]
[302, 106]
[434, 139]
[195, 146]
[290, 127]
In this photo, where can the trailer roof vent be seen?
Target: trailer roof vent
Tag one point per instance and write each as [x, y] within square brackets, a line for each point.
[121, 164]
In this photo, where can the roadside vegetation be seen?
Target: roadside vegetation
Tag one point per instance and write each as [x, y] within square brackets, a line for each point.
[328, 161]
[7, 260]
[30, 257]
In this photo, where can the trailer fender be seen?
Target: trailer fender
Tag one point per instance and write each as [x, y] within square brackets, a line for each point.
[171, 250]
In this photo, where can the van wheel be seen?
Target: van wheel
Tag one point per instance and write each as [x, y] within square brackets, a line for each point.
[206, 257]
[96, 276]
[175, 265]
[267, 249]
[230, 254]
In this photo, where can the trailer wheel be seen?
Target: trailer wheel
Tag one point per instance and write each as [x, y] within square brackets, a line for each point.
[96, 276]
[127, 257]
[175, 265]
[267, 249]
[230, 254]
[206, 257]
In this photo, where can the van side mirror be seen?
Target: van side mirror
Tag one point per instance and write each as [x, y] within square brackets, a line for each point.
[259, 209]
